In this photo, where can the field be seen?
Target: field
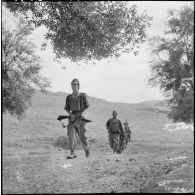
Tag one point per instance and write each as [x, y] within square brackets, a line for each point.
[34, 151]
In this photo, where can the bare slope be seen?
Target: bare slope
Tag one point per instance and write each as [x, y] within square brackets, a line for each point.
[33, 164]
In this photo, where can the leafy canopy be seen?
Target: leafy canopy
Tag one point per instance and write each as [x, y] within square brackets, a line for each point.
[173, 65]
[87, 30]
[20, 69]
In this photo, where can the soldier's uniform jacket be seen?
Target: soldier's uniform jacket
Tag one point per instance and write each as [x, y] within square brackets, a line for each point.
[127, 129]
[76, 104]
[114, 125]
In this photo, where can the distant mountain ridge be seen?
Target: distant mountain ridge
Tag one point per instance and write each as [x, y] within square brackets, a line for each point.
[151, 105]
[149, 102]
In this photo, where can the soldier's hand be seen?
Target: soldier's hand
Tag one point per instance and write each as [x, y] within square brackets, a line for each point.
[72, 117]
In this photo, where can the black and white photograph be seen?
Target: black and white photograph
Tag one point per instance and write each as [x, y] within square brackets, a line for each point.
[97, 97]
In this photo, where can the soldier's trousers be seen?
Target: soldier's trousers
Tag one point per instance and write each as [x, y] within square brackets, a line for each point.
[74, 130]
[111, 138]
[129, 137]
[122, 141]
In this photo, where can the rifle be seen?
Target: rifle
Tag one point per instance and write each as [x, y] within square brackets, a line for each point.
[60, 117]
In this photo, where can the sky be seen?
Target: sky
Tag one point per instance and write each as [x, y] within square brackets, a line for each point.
[120, 80]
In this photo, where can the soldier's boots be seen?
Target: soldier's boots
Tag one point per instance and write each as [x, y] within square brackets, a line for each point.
[72, 155]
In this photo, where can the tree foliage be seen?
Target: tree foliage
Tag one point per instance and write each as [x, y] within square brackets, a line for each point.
[87, 30]
[20, 70]
[182, 106]
[173, 65]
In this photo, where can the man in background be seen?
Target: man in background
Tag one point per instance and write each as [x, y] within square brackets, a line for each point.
[127, 130]
[115, 130]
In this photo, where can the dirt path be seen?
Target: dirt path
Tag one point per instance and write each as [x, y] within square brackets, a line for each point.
[43, 173]
[45, 169]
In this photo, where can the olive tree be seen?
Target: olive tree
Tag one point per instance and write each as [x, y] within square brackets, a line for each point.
[173, 65]
[87, 30]
[20, 70]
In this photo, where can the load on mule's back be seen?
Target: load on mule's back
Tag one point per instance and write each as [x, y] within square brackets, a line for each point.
[116, 134]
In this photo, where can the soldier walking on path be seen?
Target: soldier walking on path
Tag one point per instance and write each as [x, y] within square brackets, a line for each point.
[127, 130]
[115, 130]
[76, 104]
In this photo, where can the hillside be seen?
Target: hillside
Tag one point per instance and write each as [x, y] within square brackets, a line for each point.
[34, 151]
